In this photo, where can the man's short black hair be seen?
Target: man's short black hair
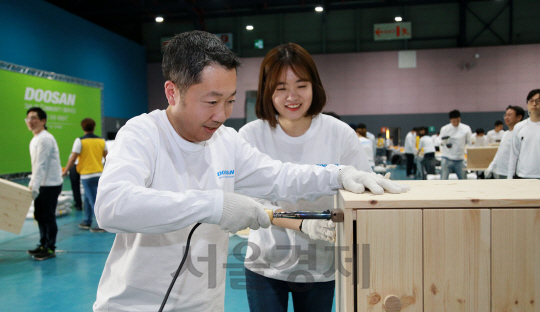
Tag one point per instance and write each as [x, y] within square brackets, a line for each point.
[361, 126]
[454, 114]
[532, 93]
[479, 131]
[40, 112]
[188, 53]
[498, 123]
[519, 111]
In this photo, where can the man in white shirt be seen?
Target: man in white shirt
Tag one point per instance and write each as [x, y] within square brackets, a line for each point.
[479, 138]
[495, 135]
[410, 152]
[426, 144]
[170, 171]
[499, 165]
[45, 183]
[366, 143]
[454, 137]
[525, 146]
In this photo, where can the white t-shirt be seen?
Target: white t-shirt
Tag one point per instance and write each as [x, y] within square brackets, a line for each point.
[328, 141]
[373, 140]
[45, 158]
[494, 137]
[426, 143]
[156, 186]
[410, 143]
[501, 159]
[479, 141]
[460, 136]
[525, 150]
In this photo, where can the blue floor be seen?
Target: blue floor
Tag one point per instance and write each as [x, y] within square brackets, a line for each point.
[69, 281]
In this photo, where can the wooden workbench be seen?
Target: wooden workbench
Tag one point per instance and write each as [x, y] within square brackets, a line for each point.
[465, 245]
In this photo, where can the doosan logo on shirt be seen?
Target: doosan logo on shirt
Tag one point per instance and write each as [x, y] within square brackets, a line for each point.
[324, 165]
[225, 174]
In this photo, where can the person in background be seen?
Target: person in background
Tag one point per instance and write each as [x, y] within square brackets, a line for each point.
[380, 146]
[291, 128]
[366, 143]
[479, 139]
[90, 150]
[75, 179]
[389, 146]
[175, 170]
[524, 160]
[495, 135]
[426, 144]
[437, 141]
[45, 183]
[410, 151]
[454, 137]
[499, 166]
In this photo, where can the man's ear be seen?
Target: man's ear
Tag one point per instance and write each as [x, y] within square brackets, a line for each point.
[170, 92]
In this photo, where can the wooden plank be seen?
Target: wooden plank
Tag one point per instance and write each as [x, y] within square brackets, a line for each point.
[389, 259]
[516, 260]
[480, 157]
[15, 201]
[452, 194]
[345, 281]
[457, 260]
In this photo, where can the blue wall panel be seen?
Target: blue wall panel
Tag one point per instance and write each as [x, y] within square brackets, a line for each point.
[37, 34]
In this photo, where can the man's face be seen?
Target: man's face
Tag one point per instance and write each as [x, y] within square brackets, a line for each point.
[480, 135]
[455, 121]
[499, 128]
[205, 106]
[533, 105]
[34, 123]
[510, 118]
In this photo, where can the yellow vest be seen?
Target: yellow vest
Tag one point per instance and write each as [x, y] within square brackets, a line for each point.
[90, 158]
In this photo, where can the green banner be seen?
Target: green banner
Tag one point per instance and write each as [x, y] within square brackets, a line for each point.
[66, 104]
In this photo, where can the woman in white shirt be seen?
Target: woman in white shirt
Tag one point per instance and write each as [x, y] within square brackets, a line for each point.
[291, 128]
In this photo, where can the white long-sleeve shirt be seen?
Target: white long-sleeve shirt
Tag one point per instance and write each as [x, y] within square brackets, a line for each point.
[525, 150]
[156, 186]
[328, 141]
[494, 136]
[426, 143]
[460, 136]
[499, 165]
[367, 146]
[45, 157]
[410, 143]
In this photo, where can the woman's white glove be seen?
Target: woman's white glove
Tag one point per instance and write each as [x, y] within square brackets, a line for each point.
[240, 212]
[319, 229]
[356, 181]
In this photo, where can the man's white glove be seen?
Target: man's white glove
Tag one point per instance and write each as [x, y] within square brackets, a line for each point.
[240, 212]
[35, 193]
[489, 171]
[356, 181]
[319, 229]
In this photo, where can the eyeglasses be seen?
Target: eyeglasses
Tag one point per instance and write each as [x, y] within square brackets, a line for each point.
[31, 119]
[531, 101]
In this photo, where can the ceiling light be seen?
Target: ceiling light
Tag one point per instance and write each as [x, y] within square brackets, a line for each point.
[159, 19]
[319, 9]
[398, 19]
[249, 27]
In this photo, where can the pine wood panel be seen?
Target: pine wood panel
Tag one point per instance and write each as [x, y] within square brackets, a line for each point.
[393, 239]
[15, 201]
[479, 158]
[345, 281]
[457, 260]
[459, 194]
[516, 260]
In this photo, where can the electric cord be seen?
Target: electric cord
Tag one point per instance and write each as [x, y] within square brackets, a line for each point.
[179, 268]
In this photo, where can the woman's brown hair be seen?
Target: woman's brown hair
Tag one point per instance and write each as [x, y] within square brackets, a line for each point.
[280, 58]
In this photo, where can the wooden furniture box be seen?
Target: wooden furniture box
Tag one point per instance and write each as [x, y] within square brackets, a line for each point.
[15, 200]
[479, 158]
[466, 245]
